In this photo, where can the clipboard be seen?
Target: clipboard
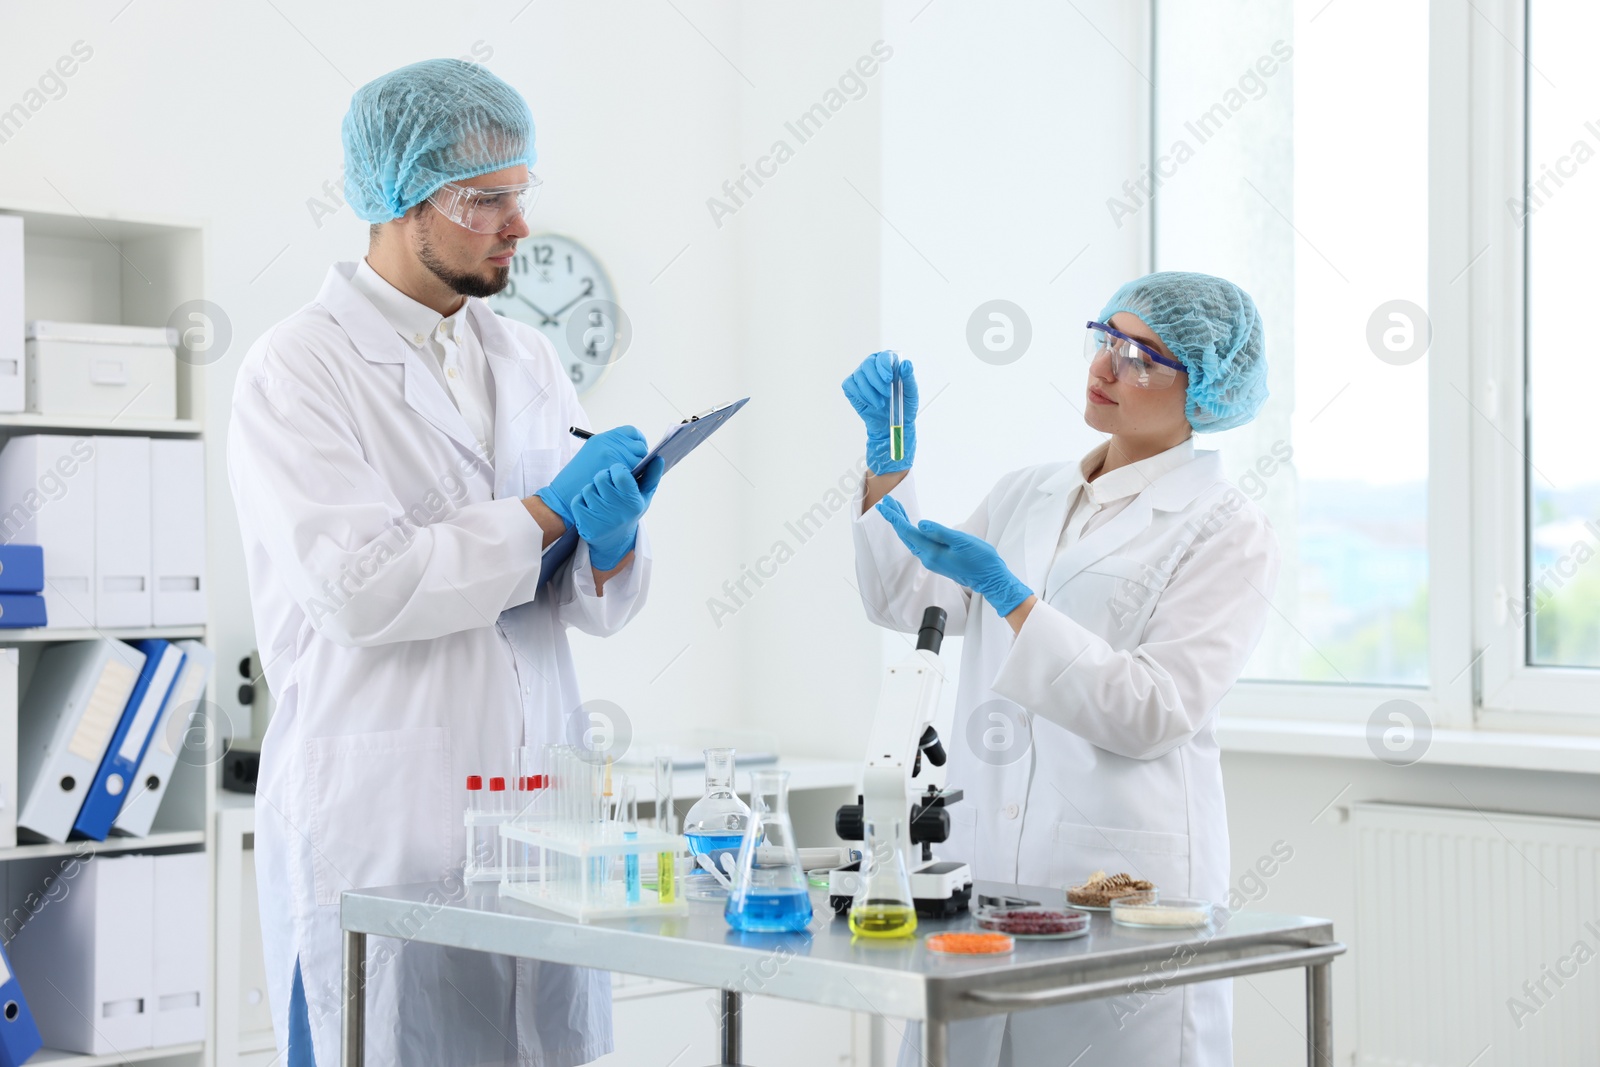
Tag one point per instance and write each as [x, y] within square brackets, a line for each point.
[679, 440]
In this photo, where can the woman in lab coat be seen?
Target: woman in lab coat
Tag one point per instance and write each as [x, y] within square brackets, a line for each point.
[1107, 605]
[393, 516]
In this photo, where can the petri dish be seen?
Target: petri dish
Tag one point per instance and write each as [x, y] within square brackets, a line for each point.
[1035, 923]
[959, 943]
[1152, 912]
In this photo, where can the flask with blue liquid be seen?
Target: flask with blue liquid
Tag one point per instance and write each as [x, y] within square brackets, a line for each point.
[715, 826]
[769, 892]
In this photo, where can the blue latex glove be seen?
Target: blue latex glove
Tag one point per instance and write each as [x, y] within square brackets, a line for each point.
[868, 392]
[961, 557]
[607, 511]
[623, 445]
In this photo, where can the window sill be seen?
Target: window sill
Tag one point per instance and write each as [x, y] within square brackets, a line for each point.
[1569, 753]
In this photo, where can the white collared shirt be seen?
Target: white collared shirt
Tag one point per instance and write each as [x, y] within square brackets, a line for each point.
[1096, 503]
[450, 346]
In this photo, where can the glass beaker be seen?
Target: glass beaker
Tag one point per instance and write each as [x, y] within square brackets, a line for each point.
[883, 906]
[714, 827]
[769, 892]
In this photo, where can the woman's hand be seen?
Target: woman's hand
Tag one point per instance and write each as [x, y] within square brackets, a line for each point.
[868, 392]
[961, 557]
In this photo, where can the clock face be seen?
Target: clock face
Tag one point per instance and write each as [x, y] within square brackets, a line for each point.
[558, 287]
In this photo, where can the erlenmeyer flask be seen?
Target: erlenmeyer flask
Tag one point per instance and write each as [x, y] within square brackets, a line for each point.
[883, 905]
[714, 826]
[769, 892]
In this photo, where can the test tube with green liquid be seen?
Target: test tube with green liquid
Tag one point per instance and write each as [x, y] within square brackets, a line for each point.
[897, 410]
[666, 862]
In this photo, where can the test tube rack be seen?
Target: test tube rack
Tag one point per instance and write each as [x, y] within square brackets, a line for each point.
[579, 874]
[481, 826]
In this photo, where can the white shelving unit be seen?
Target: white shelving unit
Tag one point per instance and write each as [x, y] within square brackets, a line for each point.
[133, 272]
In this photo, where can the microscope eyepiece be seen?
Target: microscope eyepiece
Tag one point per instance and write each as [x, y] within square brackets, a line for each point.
[931, 636]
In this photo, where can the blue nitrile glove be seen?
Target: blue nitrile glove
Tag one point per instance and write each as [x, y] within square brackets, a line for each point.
[608, 509]
[868, 392]
[961, 557]
[623, 445]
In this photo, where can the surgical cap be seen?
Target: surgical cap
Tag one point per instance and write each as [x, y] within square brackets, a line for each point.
[413, 129]
[1214, 329]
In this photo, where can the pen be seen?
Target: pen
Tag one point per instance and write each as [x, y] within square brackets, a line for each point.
[580, 433]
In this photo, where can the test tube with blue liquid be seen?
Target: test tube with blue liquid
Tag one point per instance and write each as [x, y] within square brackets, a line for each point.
[628, 813]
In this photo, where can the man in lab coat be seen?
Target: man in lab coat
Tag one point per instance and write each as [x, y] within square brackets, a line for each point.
[399, 457]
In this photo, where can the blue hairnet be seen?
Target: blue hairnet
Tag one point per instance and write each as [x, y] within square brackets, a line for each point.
[413, 129]
[1214, 329]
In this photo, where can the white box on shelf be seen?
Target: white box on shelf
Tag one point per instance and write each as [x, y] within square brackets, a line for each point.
[179, 962]
[98, 369]
[13, 393]
[122, 531]
[84, 960]
[47, 490]
[178, 532]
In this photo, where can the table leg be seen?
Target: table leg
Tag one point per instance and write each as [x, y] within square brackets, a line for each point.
[352, 1044]
[1319, 1015]
[936, 1043]
[732, 1026]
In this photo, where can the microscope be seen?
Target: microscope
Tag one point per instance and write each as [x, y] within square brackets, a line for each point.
[902, 737]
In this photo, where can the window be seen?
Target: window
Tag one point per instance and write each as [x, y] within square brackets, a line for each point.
[1285, 167]
[1561, 216]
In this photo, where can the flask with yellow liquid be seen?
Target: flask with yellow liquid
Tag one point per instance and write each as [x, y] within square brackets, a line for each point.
[883, 907]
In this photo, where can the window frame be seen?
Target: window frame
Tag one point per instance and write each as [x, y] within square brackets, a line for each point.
[1514, 694]
[1478, 672]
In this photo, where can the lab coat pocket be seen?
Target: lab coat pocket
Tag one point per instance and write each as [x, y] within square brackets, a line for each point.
[381, 809]
[1158, 857]
[539, 465]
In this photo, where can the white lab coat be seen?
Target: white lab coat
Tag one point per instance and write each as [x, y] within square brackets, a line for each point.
[1119, 670]
[392, 574]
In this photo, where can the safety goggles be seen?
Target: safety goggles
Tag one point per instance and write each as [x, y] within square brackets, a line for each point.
[1132, 362]
[485, 210]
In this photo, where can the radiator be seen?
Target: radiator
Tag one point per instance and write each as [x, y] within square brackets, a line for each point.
[1477, 938]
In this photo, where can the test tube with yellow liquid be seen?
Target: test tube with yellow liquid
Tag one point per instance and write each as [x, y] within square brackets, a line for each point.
[666, 862]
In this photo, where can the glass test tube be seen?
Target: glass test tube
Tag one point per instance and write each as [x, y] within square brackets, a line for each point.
[666, 862]
[628, 810]
[897, 410]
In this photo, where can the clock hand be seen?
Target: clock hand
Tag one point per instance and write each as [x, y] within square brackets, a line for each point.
[588, 291]
[545, 315]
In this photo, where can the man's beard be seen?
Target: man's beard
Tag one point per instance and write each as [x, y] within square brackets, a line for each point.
[458, 281]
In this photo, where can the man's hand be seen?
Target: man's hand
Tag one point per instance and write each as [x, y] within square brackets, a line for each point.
[607, 511]
[548, 520]
[624, 445]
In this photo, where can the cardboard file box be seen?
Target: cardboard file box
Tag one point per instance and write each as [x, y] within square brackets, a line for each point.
[85, 958]
[99, 370]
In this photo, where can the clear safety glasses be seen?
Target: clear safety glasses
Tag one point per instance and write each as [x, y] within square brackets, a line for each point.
[486, 210]
[1131, 362]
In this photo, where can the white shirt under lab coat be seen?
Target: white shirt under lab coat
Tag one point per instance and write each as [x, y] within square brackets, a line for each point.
[1150, 603]
[392, 570]
[458, 361]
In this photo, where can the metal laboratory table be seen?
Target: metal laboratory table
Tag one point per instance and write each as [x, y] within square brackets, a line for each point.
[824, 967]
